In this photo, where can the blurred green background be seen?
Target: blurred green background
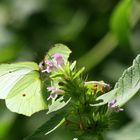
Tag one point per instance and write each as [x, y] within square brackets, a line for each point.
[104, 36]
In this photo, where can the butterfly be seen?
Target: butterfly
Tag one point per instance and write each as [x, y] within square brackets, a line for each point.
[21, 84]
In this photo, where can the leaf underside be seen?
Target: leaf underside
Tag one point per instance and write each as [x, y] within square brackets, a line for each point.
[126, 87]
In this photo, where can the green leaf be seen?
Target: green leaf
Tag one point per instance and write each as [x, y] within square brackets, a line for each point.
[57, 104]
[72, 66]
[48, 127]
[129, 83]
[120, 23]
[55, 75]
[59, 48]
[126, 87]
[79, 72]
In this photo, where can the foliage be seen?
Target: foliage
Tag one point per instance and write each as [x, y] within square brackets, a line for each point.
[104, 38]
[64, 88]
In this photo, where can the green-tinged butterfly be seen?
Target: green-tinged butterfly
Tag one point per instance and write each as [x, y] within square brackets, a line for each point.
[21, 84]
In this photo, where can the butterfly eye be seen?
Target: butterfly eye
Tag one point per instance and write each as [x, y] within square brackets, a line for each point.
[42, 65]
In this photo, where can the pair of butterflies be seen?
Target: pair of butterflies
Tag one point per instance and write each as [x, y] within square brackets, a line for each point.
[21, 85]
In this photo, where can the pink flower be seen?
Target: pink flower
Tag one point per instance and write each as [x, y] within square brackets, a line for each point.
[59, 59]
[114, 107]
[52, 89]
[112, 103]
[49, 69]
[49, 63]
[50, 66]
[55, 91]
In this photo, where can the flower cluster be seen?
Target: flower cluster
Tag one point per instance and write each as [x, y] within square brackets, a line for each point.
[52, 64]
[114, 107]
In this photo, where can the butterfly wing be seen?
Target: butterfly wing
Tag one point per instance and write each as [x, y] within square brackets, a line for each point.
[26, 96]
[21, 87]
[10, 74]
